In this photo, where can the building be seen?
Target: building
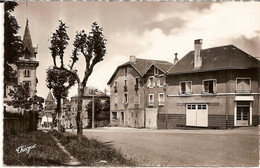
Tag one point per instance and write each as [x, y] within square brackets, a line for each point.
[215, 88]
[87, 97]
[25, 70]
[135, 88]
[49, 111]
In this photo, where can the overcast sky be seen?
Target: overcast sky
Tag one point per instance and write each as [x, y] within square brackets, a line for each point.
[151, 30]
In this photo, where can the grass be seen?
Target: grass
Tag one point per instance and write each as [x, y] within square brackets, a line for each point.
[45, 153]
[91, 152]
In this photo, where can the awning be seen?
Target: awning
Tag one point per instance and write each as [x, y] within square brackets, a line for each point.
[244, 98]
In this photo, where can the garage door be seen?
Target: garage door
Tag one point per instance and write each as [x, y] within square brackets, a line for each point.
[197, 115]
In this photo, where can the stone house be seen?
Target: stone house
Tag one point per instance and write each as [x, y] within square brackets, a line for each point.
[135, 89]
[87, 97]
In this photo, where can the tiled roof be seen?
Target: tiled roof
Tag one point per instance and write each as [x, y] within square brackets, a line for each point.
[88, 92]
[27, 40]
[142, 66]
[49, 97]
[218, 58]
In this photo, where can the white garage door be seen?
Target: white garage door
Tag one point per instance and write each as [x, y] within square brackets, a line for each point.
[197, 115]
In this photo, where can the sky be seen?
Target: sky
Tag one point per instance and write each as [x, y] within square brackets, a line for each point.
[149, 30]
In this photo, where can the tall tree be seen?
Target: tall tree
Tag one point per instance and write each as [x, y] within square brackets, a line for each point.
[58, 79]
[92, 47]
[12, 42]
[21, 98]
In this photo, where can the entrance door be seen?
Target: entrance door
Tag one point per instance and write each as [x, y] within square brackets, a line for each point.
[197, 115]
[243, 113]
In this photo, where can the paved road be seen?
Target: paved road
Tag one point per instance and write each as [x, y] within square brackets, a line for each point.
[235, 147]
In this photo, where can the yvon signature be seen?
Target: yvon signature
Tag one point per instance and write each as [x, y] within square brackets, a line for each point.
[26, 149]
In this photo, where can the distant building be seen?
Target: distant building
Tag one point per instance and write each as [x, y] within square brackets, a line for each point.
[216, 88]
[49, 111]
[87, 97]
[25, 70]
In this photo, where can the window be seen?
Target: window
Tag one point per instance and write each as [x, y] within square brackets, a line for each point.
[125, 98]
[209, 86]
[4, 108]
[243, 110]
[125, 86]
[26, 53]
[125, 71]
[156, 71]
[161, 99]
[243, 85]
[137, 98]
[191, 106]
[151, 99]
[151, 82]
[27, 83]
[26, 73]
[161, 81]
[114, 115]
[115, 87]
[137, 81]
[185, 88]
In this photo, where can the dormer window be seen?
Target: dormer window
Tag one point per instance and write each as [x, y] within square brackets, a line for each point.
[151, 82]
[26, 73]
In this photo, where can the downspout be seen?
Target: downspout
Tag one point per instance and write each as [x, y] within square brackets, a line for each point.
[144, 105]
[227, 99]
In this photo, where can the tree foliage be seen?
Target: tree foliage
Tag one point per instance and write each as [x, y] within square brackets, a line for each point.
[21, 98]
[12, 43]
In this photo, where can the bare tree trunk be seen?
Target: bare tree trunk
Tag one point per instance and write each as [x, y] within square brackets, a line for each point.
[59, 113]
[79, 111]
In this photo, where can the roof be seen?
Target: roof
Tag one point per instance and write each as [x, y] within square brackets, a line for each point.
[49, 98]
[27, 40]
[88, 92]
[217, 58]
[142, 66]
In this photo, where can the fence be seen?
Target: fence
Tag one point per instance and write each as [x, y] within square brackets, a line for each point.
[22, 123]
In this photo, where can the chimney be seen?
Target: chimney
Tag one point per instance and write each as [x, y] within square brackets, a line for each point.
[197, 54]
[132, 59]
[175, 59]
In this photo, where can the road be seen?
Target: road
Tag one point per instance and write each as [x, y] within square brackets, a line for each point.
[235, 147]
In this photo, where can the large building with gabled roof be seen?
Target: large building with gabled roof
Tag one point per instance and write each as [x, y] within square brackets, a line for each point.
[216, 87]
[132, 84]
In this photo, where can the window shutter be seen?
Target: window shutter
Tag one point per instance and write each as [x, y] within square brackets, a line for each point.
[154, 81]
[215, 86]
[158, 81]
[148, 82]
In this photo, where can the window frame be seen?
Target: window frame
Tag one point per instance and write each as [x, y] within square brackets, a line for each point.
[244, 91]
[160, 102]
[27, 73]
[151, 84]
[114, 118]
[125, 71]
[156, 71]
[125, 101]
[151, 103]
[180, 89]
[159, 80]
[215, 86]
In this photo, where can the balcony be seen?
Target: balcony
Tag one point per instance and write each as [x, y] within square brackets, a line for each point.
[125, 88]
[161, 103]
[136, 88]
[185, 93]
[151, 104]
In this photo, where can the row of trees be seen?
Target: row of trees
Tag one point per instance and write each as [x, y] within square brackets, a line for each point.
[61, 78]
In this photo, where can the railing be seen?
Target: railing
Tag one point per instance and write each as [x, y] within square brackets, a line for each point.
[185, 93]
[151, 103]
[243, 91]
[161, 103]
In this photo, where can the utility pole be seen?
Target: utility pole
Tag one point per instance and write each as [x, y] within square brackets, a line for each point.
[93, 106]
